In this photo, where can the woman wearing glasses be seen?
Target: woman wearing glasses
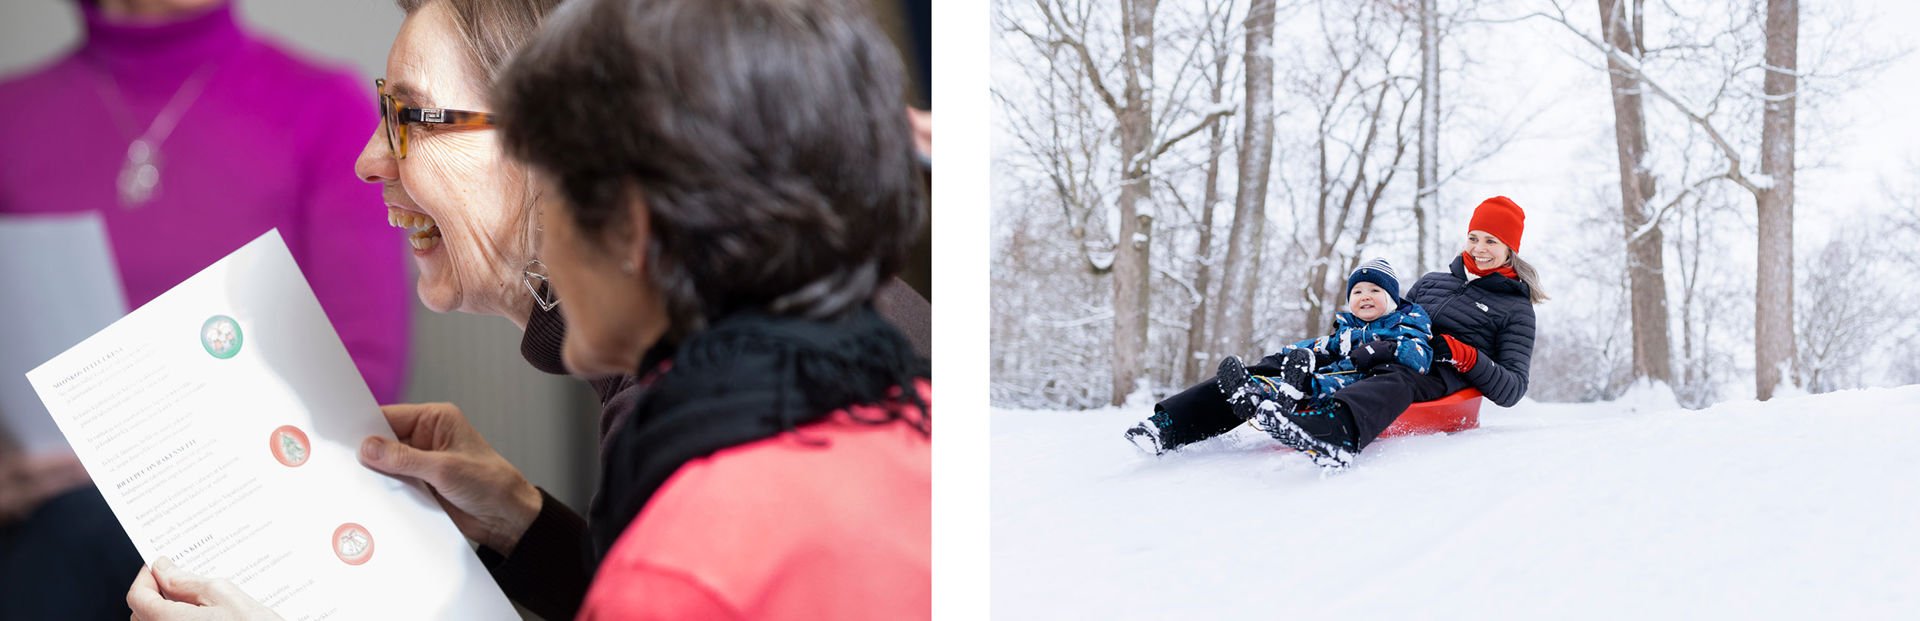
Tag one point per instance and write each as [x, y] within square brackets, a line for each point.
[799, 273]
[466, 210]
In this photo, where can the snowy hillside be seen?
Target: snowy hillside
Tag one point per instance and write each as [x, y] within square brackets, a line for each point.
[1801, 507]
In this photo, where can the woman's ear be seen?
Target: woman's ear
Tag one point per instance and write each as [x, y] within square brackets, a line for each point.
[639, 235]
[535, 214]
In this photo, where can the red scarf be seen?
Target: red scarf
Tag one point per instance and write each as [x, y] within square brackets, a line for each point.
[1504, 270]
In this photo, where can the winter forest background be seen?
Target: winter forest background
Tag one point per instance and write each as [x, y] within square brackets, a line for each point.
[1721, 197]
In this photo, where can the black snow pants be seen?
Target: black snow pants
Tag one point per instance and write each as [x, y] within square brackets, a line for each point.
[1202, 412]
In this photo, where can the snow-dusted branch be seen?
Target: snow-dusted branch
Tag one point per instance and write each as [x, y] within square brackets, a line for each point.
[1193, 294]
[1652, 85]
[1063, 36]
[1100, 317]
[1654, 221]
[1212, 116]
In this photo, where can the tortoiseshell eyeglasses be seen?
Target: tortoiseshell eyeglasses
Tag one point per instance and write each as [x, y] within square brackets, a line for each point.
[396, 115]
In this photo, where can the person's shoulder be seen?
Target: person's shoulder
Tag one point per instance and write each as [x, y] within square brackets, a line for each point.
[48, 89]
[21, 87]
[1509, 288]
[316, 77]
[1435, 278]
[808, 477]
[1430, 282]
[1522, 307]
[743, 517]
[335, 107]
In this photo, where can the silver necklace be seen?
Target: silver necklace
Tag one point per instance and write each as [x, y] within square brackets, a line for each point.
[140, 172]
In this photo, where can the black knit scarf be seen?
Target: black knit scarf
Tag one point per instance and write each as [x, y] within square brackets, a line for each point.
[746, 378]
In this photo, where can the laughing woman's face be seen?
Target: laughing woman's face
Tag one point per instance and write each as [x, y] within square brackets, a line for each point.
[463, 203]
[1488, 252]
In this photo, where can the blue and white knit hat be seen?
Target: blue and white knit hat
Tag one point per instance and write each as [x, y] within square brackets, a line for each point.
[1378, 272]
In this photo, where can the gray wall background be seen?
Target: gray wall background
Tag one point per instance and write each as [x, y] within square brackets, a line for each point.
[544, 424]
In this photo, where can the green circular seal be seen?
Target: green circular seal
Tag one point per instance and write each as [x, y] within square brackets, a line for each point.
[221, 336]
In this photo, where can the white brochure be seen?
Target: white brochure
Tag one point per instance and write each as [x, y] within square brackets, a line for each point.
[221, 422]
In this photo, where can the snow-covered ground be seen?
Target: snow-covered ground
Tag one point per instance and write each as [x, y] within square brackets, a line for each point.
[1803, 507]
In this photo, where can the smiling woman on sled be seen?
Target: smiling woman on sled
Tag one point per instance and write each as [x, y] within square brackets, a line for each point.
[1332, 396]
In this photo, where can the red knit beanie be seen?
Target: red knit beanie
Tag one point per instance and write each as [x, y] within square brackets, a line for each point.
[1501, 217]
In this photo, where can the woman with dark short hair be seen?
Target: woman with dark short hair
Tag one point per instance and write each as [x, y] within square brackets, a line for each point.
[723, 185]
[729, 182]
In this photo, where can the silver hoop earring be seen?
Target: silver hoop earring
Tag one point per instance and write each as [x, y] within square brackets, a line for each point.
[543, 295]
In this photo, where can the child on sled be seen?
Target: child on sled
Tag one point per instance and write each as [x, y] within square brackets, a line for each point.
[1286, 394]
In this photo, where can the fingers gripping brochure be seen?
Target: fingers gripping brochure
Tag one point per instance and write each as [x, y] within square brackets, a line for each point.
[222, 420]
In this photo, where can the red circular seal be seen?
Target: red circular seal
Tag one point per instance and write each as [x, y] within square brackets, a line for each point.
[352, 543]
[290, 445]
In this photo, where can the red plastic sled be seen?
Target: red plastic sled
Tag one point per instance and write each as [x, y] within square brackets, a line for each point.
[1459, 411]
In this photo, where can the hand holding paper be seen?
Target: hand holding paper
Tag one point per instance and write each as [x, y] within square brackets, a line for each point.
[164, 592]
[222, 423]
[487, 497]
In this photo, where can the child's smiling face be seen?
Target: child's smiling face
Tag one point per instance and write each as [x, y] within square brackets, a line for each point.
[1368, 301]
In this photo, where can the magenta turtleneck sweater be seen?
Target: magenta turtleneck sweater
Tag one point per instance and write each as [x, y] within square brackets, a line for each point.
[269, 143]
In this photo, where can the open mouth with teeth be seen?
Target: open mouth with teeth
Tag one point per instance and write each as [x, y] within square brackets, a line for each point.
[422, 233]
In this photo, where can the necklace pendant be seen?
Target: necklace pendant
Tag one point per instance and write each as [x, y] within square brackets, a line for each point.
[139, 176]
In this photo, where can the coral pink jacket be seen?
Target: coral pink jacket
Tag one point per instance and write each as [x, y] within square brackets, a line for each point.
[830, 521]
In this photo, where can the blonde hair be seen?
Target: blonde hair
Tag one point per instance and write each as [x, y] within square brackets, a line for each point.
[492, 30]
[1528, 275]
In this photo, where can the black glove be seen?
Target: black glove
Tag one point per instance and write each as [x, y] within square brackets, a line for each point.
[1375, 353]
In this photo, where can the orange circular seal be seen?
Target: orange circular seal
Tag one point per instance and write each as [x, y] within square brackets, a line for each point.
[290, 446]
[352, 543]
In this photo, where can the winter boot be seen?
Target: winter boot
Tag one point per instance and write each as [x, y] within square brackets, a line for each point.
[1231, 377]
[1146, 435]
[1251, 395]
[1324, 432]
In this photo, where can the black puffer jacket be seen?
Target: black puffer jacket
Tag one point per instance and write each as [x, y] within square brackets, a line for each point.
[1491, 313]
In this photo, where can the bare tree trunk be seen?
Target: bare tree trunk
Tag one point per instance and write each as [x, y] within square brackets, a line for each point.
[1692, 381]
[1131, 249]
[1646, 275]
[1234, 317]
[1428, 175]
[1200, 344]
[1773, 292]
[1198, 341]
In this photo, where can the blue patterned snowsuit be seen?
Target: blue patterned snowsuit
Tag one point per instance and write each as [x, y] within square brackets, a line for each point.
[1408, 325]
